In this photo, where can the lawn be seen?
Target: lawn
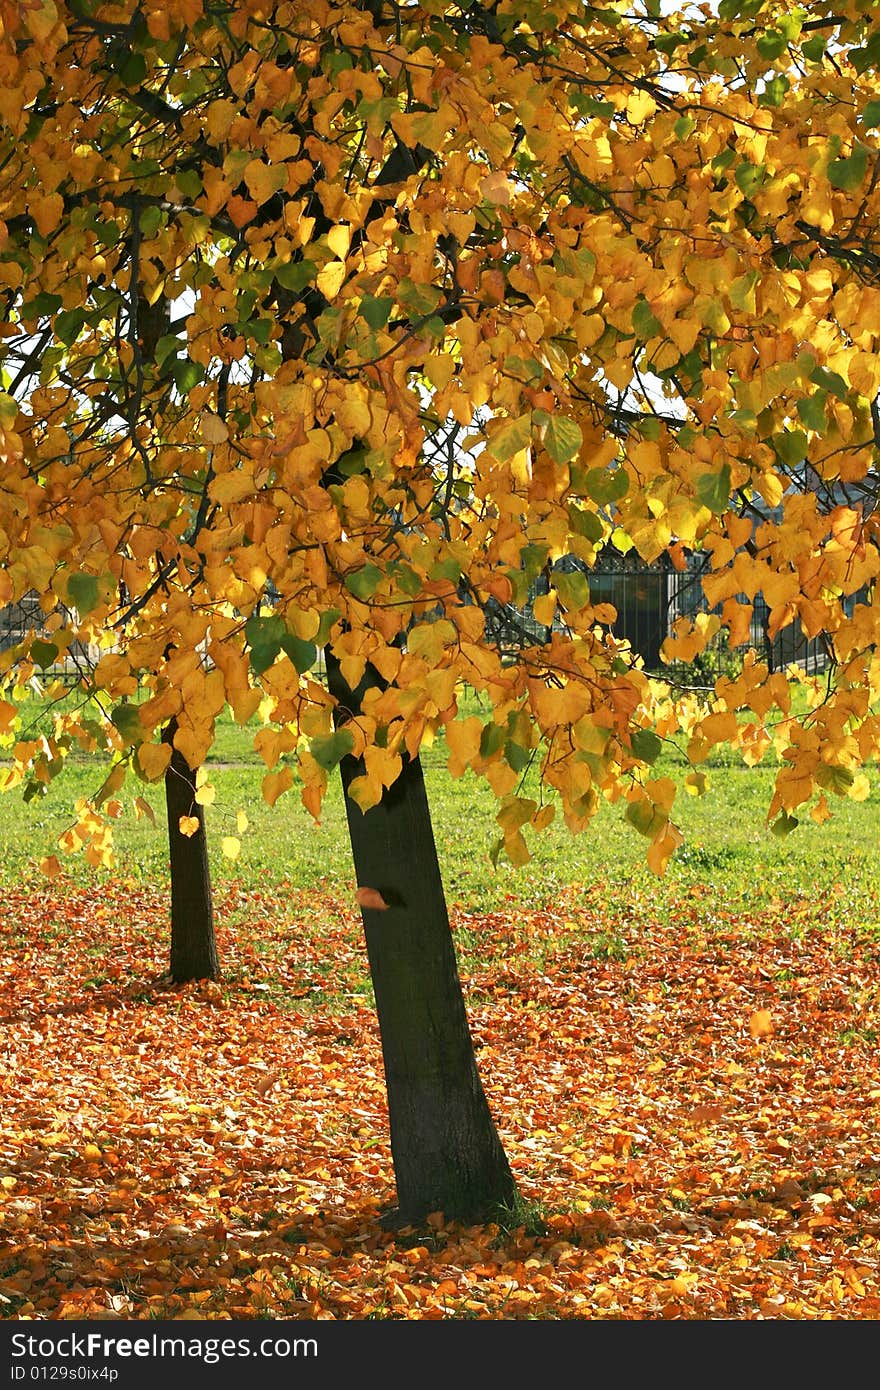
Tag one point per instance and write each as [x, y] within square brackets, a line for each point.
[727, 841]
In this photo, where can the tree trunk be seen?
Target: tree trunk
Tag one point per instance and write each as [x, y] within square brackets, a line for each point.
[446, 1151]
[193, 947]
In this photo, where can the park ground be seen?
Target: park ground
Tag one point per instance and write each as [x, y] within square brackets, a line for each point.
[683, 1070]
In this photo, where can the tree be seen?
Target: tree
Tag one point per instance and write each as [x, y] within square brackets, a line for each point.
[438, 295]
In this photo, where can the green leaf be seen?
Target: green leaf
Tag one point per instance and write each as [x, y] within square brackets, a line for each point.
[814, 49]
[834, 779]
[562, 438]
[302, 654]
[573, 588]
[151, 220]
[41, 304]
[829, 381]
[584, 523]
[189, 181]
[646, 745]
[328, 750]
[742, 291]
[606, 485]
[260, 631]
[871, 115]
[511, 438]
[187, 375]
[295, 275]
[127, 720]
[82, 590]
[790, 446]
[749, 177]
[784, 825]
[644, 817]
[713, 490]
[643, 321]
[684, 125]
[848, 174]
[263, 655]
[364, 582]
[771, 44]
[325, 627]
[132, 68]
[774, 91]
[492, 738]
[516, 756]
[868, 56]
[812, 411]
[68, 325]
[375, 310]
[8, 410]
[43, 653]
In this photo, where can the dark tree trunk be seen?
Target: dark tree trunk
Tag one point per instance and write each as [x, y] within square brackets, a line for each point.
[447, 1154]
[193, 947]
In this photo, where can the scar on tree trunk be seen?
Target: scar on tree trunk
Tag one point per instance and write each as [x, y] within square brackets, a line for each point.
[193, 945]
[446, 1151]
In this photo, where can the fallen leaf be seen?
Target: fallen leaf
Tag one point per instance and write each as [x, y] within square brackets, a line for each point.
[371, 898]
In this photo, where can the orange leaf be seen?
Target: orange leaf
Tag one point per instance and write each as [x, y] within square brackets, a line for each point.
[761, 1024]
[371, 898]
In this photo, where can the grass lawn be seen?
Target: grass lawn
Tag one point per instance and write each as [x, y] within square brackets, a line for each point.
[727, 841]
[728, 844]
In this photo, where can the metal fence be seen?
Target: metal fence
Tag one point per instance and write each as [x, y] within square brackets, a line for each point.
[26, 617]
[648, 599]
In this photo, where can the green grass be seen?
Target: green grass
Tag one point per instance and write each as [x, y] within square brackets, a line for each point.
[728, 845]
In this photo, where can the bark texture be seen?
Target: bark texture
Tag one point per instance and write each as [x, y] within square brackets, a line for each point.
[193, 944]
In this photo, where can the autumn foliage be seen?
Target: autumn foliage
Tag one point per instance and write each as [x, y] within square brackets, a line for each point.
[340, 324]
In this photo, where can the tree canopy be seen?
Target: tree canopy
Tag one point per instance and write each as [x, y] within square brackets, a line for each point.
[338, 324]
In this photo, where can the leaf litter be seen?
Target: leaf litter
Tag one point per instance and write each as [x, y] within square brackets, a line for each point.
[688, 1096]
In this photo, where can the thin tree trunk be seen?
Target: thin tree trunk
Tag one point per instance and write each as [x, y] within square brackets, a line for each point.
[446, 1150]
[193, 946]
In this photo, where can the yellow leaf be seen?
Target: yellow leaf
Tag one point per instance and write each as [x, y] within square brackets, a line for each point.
[640, 107]
[331, 279]
[92, 1154]
[40, 17]
[339, 240]
[205, 795]
[264, 180]
[663, 847]
[153, 759]
[496, 188]
[544, 608]
[230, 846]
[241, 822]
[695, 783]
[860, 789]
[143, 808]
[761, 1024]
[274, 783]
[50, 866]
[213, 429]
[233, 486]
[47, 211]
[188, 825]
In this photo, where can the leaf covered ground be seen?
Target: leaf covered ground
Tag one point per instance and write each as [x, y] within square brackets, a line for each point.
[689, 1098]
